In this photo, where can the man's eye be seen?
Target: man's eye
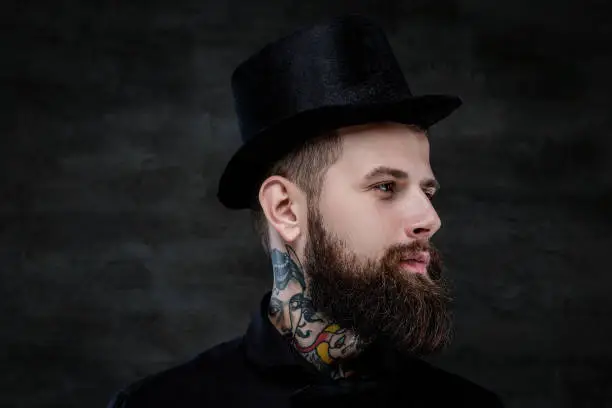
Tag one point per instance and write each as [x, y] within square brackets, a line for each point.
[430, 193]
[385, 187]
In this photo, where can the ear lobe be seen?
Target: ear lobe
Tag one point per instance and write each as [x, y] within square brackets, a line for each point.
[277, 199]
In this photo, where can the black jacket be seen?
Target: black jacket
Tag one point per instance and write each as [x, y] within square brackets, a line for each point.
[260, 369]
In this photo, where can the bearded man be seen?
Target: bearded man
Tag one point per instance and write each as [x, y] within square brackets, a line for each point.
[335, 169]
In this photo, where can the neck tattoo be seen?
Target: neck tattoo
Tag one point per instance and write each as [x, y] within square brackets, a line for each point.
[318, 339]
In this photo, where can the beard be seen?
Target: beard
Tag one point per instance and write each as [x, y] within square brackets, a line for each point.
[379, 302]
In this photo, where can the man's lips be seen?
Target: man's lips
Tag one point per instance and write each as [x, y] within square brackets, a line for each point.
[421, 257]
[416, 263]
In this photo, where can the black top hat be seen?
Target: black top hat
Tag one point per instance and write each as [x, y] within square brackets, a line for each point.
[320, 78]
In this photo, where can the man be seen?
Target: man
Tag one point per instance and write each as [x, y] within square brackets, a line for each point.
[335, 168]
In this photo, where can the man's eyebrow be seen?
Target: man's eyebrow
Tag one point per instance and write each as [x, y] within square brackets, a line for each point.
[386, 171]
[399, 174]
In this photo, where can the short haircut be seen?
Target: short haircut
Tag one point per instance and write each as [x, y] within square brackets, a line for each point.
[305, 166]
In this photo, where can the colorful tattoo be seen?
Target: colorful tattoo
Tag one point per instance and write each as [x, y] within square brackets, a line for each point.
[319, 341]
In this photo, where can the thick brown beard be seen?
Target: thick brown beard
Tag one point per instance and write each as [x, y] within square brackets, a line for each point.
[376, 299]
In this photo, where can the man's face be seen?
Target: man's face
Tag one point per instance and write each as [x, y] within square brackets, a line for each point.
[369, 263]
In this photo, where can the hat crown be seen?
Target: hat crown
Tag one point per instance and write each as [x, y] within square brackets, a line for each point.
[347, 61]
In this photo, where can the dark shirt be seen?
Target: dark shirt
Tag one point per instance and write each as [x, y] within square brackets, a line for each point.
[261, 369]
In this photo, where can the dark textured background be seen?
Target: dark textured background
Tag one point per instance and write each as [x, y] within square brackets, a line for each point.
[117, 261]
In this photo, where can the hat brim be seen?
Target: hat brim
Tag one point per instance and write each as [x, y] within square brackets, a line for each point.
[244, 172]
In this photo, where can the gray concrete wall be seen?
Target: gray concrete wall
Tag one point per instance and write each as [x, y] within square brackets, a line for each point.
[116, 260]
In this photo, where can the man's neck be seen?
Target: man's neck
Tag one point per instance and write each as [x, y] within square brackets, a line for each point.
[318, 339]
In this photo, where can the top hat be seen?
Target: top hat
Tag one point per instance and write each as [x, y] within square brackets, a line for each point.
[320, 78]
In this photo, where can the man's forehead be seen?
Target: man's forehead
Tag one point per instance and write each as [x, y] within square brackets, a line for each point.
[392, 146]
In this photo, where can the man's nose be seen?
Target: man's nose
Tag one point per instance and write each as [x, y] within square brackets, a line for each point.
[424, 222]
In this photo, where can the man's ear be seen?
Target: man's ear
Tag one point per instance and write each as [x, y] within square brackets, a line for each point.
[282, 202]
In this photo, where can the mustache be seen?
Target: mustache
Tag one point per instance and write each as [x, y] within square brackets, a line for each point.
[415, 250]
[407, 251]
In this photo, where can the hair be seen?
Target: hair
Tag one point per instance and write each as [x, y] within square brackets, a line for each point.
[305, 166]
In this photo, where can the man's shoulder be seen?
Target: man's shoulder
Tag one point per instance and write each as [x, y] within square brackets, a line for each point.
[188, 381]
[453, 387]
